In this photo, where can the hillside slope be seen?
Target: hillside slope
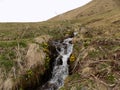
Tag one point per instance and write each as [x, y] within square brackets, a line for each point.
[93, 8]
[95, 60]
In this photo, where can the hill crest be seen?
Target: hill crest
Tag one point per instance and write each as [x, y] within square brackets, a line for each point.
[92, 8]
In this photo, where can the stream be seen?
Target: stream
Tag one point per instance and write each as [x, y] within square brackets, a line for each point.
[60, 67]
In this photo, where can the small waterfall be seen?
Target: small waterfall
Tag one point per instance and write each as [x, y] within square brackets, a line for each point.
[60, 70]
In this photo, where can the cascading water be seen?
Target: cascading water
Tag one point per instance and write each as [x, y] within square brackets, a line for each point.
[60, 70]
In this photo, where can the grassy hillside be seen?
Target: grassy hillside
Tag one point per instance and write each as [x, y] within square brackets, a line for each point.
[94, 64]
[94, 7]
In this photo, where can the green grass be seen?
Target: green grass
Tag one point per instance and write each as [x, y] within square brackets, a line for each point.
[7, 57]
[5, 44]
[102, 30]
[8, 53]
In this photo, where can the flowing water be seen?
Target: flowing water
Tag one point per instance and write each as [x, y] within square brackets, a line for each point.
[60, 68]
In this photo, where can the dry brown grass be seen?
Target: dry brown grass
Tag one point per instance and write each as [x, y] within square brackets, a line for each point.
[21, 74]
[96, 49]
[93, 8]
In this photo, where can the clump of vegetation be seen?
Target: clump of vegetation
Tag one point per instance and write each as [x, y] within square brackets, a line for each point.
[45, 47]
[9, 53]
[72, 58]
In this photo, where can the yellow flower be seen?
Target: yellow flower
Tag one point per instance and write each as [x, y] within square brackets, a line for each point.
[72, 58]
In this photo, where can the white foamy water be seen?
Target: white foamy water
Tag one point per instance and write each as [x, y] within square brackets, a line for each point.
[60, 71]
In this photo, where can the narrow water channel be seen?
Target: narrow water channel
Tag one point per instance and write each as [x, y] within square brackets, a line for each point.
[60, 67]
